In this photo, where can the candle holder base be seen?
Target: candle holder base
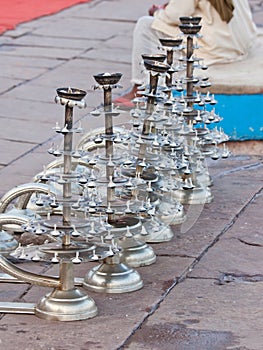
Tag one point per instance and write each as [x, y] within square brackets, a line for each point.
[170, 213]
[112, 277]
[70, 305]
[204, 179]
[137, 254]
[158, 233]
[196, 195]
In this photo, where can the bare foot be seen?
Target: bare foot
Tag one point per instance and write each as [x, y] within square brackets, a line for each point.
[126, 101]
[131, 94]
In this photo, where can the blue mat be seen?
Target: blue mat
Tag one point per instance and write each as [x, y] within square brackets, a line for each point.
[242, 116]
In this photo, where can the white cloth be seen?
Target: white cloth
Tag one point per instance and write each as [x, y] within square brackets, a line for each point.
[145, 41]
[221, 42]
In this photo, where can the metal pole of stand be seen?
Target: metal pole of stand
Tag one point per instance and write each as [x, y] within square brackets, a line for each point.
[67, 169]
[189, 70]
[151, 99]
[168, 79]
[108, 120]
[146, 124]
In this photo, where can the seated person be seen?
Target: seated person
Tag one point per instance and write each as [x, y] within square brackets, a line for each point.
[228, 32]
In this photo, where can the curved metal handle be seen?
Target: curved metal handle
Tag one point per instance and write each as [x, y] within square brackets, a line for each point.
[6, 219]
[25, 190]
[13, 270]
[27, 277]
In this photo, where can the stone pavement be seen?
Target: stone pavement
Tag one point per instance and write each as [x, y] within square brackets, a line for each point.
[204, 292]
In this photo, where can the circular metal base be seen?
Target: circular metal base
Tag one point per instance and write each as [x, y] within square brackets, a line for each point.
[173, 219]
[135, 253]
[196, 195]
[158, 233]
[113, 278]
[171, 213]
[204, 179]
[71, 305]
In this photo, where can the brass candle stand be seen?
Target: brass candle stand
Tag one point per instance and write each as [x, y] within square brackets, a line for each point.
[133, 167]
[177, 130]
[66, 302]
[152, 162]
[115, 275]
[127, 278]
[195, 178]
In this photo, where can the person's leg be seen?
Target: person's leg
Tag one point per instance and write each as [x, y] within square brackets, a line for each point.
[145, 40]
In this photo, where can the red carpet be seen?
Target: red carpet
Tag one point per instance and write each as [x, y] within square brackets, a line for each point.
[14, 12]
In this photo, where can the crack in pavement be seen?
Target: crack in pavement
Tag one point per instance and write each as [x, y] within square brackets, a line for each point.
[226, 278]
[250, 244]
[190, 268]
[238, 169]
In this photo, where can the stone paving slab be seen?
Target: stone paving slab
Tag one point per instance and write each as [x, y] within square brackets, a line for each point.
[8, 84]
[45, 113]
[34, 62]
[23, 169]
[108, 55]
[241, 244]
[36, 93]
[200, 315]
[82, 28]
[37, 132]
[11, 150]
[79, 73]
[205, 311]
[120, 42]
[21, 72]
[113, 10]
[57, 53]
[54, 42]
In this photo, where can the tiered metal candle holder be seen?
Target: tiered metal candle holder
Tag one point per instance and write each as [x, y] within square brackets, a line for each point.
[114, 202]
[66, 302]
[186, 140]
[194, 130]
[152, 159]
